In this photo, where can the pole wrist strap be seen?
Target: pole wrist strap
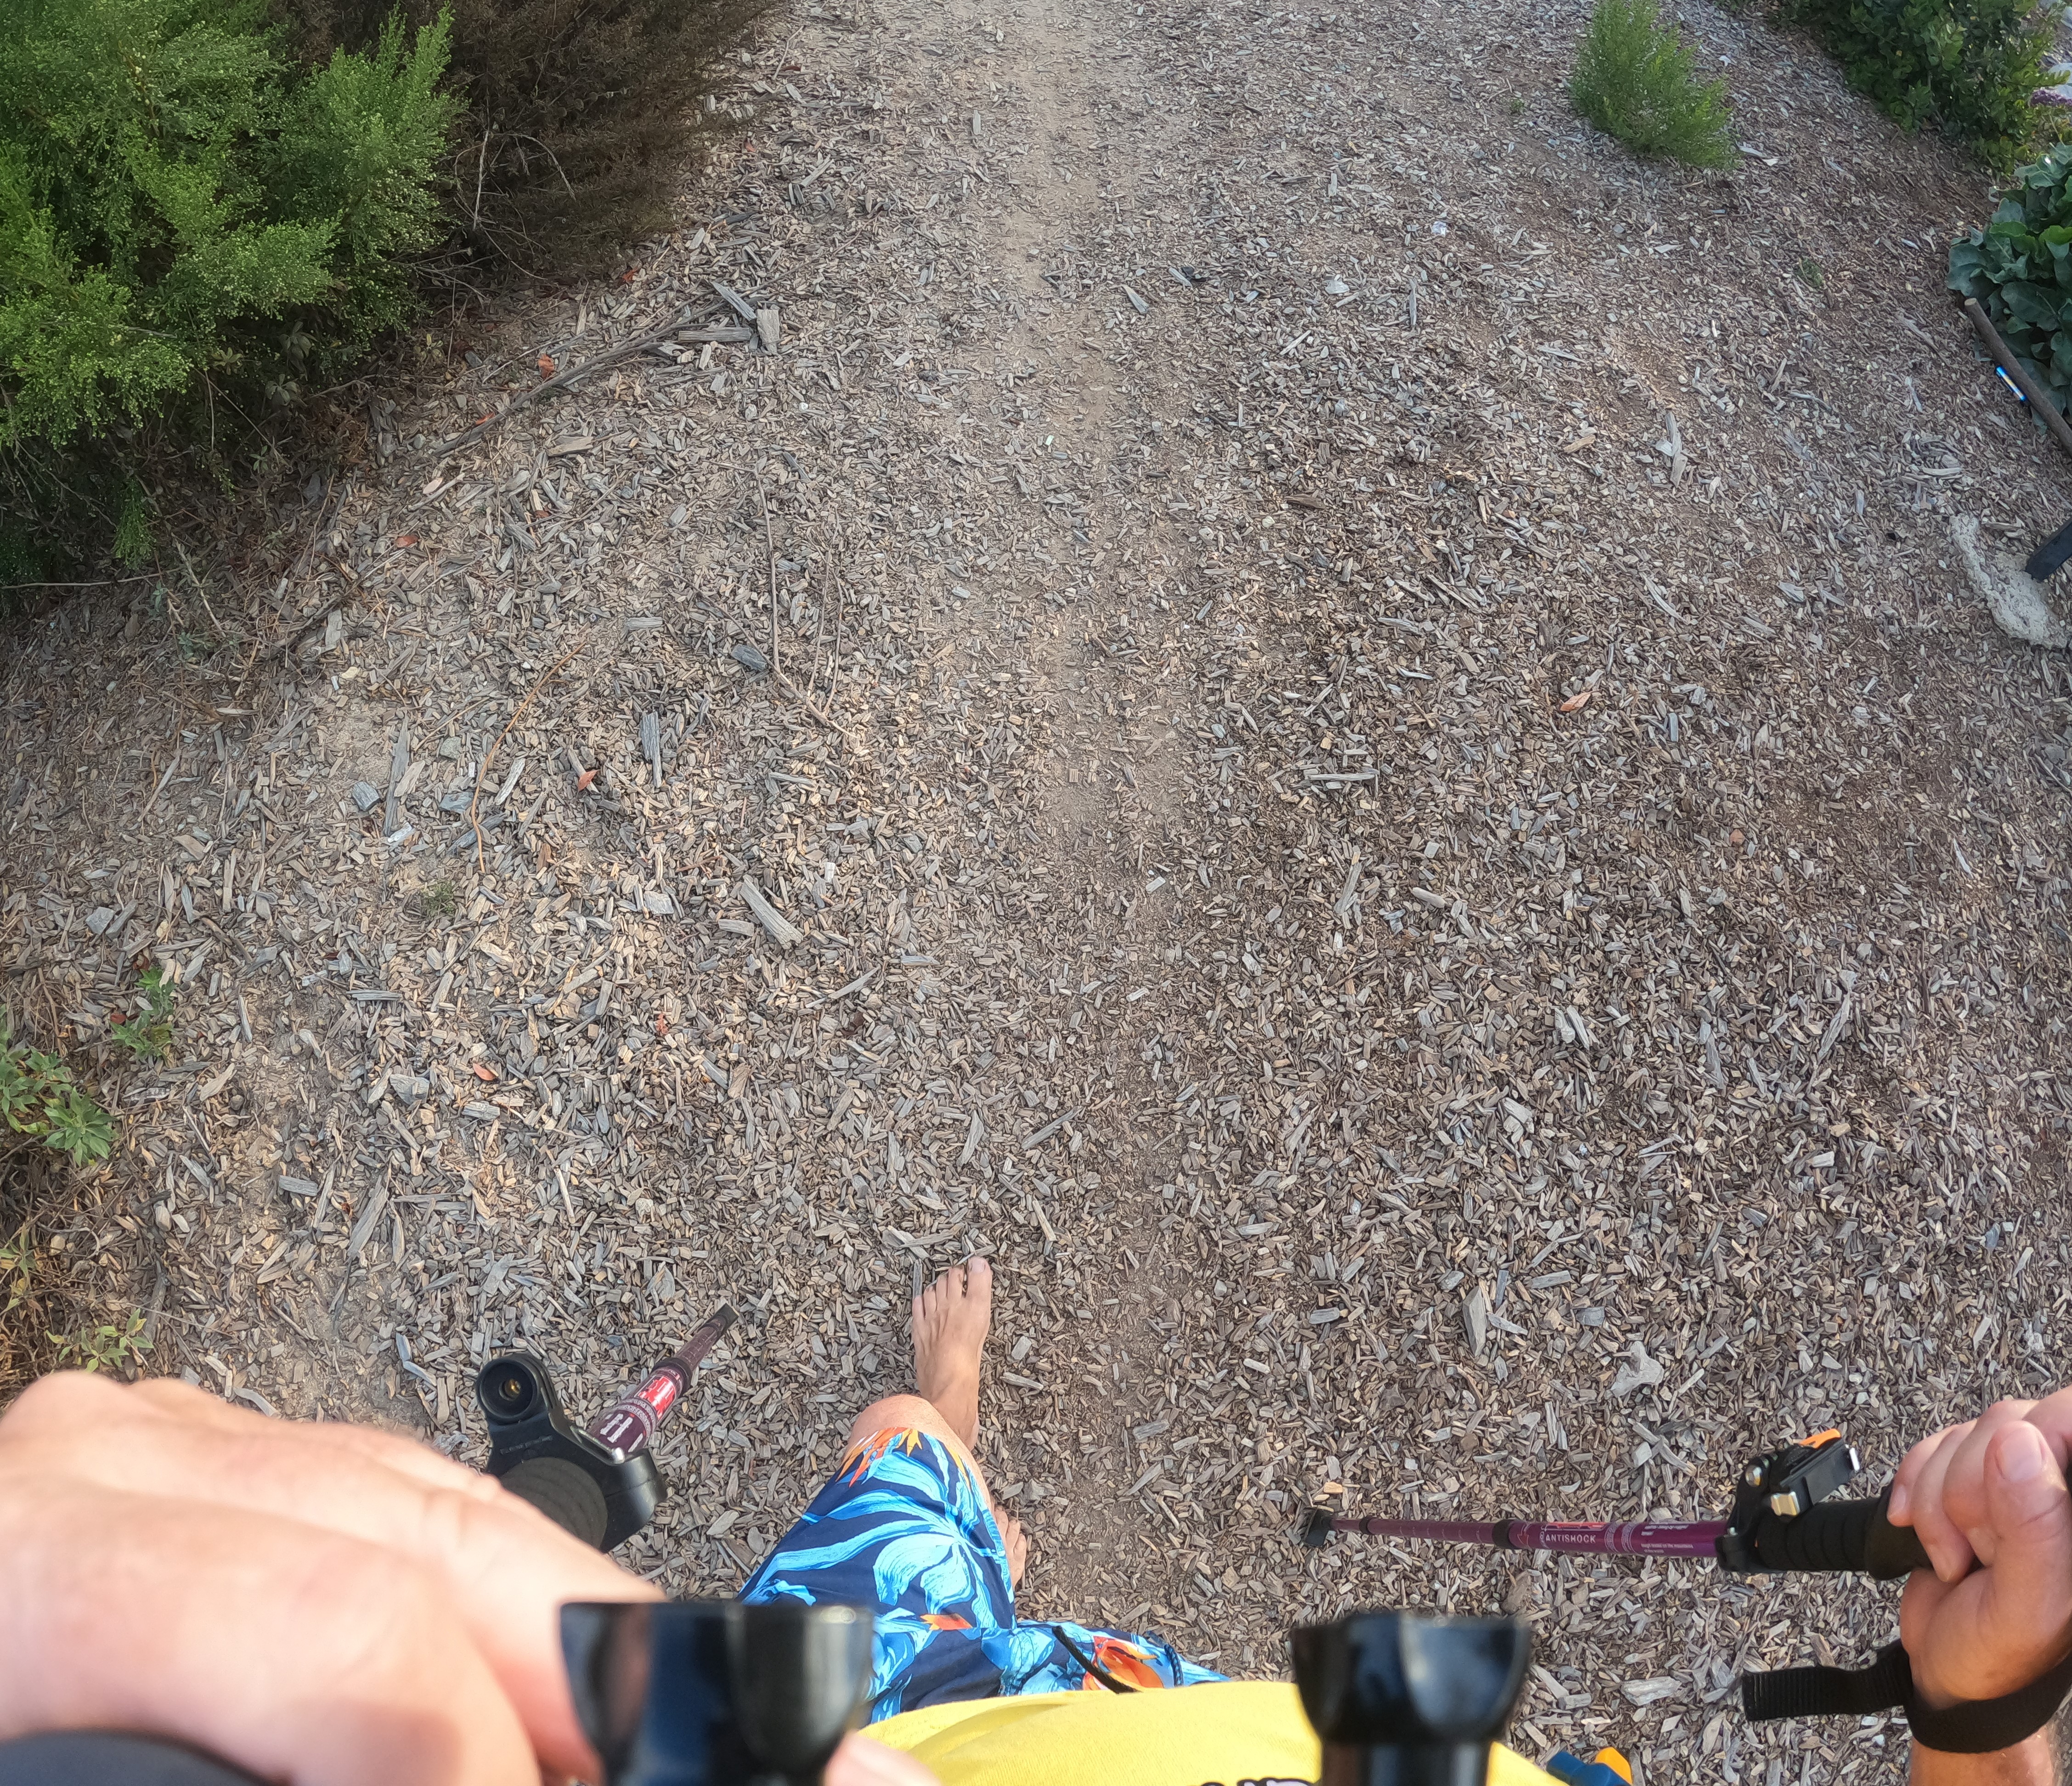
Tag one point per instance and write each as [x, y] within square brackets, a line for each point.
[1971, 1726]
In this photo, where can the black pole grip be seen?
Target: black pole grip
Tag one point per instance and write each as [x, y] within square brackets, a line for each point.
[1837, 1536]
[565, 1493]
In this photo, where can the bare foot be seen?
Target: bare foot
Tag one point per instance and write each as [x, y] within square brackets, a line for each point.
[951, 1318]
[1017, 1543]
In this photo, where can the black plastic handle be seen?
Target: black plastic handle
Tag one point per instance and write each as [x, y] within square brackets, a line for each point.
[110, 1758]
[565, 1493]
[1837, 1536]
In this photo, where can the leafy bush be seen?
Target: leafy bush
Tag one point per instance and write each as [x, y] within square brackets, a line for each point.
[577, 112]
[2019, 269]
[1634, 79]
[1967, 66]
[40, 1098]
[186, 213]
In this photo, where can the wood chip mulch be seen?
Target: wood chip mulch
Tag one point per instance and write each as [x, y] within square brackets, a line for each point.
[1197, 653]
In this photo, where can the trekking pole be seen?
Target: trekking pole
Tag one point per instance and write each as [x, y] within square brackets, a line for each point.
[601, 1485]
[1780, 1519]
[632, 1420]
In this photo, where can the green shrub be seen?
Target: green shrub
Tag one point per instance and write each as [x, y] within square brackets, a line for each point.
[1967, 66]
[578, 111]
[1635, 80]
[2019, 269]
[188, 217]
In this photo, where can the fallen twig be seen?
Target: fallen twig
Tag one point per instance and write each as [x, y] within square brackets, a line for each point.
[841, 614]
[561, 381]
[475, 802]
[770, 547]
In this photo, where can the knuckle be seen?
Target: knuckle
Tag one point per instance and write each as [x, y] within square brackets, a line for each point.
[62, 1399]
[466, 1522]
[171, 1395]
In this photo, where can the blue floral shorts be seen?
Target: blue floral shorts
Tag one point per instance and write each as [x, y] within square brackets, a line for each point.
[904, 1531]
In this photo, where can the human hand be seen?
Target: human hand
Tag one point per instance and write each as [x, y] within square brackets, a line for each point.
[1991, 1492]
[322, 1604]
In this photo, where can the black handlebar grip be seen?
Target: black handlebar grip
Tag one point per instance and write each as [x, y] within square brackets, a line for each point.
[1835, 1535]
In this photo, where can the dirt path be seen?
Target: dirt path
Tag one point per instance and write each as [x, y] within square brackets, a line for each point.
[1384, 783]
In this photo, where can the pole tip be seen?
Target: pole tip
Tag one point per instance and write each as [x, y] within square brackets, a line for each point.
[1316, 1529]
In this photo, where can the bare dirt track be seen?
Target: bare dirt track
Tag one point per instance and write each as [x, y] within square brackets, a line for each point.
[1387, 786]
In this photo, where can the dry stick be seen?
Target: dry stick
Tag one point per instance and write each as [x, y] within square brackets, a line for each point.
[640, 343]
[820, 622]
[805, 700]
[805, 695]
[2039, 400]
[824, 714]
[770, 546]
[334, 495]
[834, 668]
[481, 863]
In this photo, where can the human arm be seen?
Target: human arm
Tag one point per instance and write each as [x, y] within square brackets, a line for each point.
[1989, 1500]
[317, 1603]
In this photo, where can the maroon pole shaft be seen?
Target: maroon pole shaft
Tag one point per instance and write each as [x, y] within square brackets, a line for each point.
[1698, 1538]
[632, 1421]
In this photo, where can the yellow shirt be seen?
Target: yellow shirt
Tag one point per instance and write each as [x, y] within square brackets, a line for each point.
[1227, 1732]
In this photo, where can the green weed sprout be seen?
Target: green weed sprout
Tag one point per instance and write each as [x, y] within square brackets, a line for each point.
[40, 1098]
[149, 1035]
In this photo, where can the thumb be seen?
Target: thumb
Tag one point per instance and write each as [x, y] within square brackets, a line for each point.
[2030, 1514]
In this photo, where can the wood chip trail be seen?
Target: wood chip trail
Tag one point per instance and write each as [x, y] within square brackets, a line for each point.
[1409, 819]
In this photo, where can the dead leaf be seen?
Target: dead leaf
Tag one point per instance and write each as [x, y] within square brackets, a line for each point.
[1587, 438]
[488, 1073]
[1576, 701]
[584, 779]
[546, 365]
[1639, 1372]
